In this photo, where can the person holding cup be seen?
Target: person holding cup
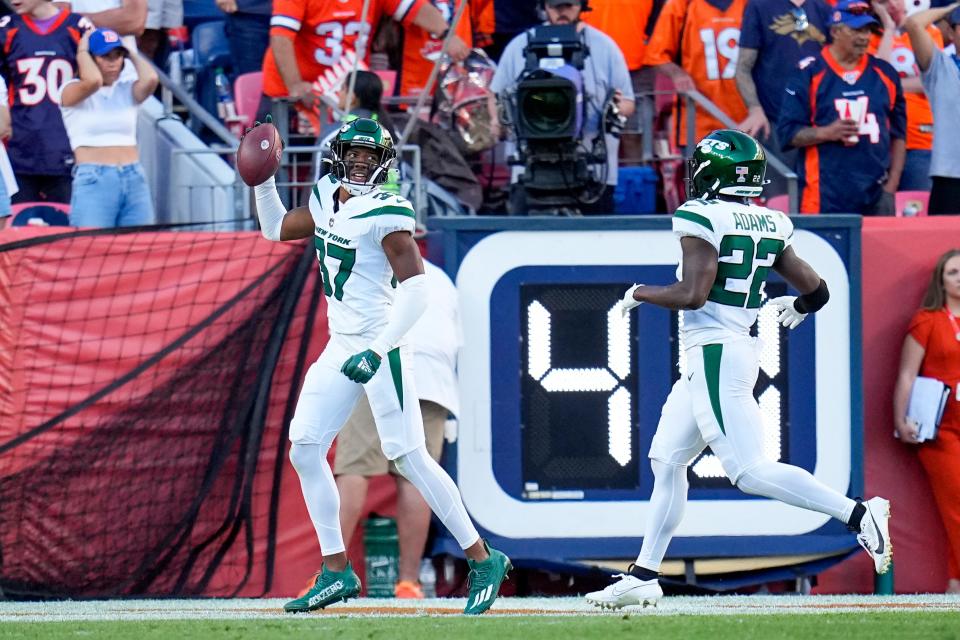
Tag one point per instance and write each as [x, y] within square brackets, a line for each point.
[844, 110]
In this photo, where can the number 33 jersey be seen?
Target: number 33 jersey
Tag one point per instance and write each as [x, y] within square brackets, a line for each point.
[323, 31]
[357, 277]
[748, 240]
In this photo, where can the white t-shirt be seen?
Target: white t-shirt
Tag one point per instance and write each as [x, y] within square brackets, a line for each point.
[436, 339]
[108, 118]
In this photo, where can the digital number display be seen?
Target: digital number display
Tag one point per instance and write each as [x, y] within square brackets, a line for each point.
[579, 388]
[578, 374]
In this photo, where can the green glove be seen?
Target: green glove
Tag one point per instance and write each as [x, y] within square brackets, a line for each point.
[361, 367]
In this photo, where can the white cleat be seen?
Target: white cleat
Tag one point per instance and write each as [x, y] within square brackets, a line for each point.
[629, 590]
[874, 534]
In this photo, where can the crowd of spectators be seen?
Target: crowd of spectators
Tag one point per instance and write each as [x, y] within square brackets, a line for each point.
[844, 92]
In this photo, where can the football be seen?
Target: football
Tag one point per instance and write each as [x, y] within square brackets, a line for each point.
[258, 156]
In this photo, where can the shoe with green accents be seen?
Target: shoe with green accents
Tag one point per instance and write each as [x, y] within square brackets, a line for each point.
[485, 578]
[330, 587]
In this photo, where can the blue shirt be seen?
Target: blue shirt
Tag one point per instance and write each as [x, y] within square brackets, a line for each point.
[770, 27]
[834, 177]
[36, 66]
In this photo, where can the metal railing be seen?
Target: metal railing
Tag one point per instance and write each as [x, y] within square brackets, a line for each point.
[693, 99]
[297, 174]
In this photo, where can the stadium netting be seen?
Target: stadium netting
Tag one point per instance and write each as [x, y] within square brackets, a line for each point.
[138, 369]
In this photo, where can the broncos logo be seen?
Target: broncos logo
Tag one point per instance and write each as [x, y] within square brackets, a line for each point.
[785, 25]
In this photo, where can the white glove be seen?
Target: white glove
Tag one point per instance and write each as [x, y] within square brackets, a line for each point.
[789, 317]
[628, 302]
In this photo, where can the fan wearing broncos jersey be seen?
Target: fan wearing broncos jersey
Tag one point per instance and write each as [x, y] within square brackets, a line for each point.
[39, 57]
[375, 286]
[728, 245]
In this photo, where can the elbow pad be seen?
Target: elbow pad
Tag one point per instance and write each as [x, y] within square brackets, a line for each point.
[270, 209]
[813, 301]
[408, 305]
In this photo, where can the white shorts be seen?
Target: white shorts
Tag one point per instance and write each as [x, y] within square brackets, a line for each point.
[328, 397]
[714, 405]
[164, 14]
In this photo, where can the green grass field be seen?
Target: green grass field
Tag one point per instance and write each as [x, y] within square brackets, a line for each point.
[565, 618]
[847, 626]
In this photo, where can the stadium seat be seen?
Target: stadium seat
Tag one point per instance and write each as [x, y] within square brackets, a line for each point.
[41, 214]
[780, 203]
[247, 89]
[210, 45]
[919, 200]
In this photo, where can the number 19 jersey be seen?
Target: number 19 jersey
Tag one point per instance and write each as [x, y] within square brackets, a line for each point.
[748, 240]
[357, 277]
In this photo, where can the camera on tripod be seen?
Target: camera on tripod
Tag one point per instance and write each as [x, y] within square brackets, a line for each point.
[548, 111]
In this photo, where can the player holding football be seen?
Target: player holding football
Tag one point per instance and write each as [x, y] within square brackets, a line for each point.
[375, 285]
[728, 245]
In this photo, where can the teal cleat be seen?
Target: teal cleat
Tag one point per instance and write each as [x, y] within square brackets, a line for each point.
[485, 578]
[330, 587]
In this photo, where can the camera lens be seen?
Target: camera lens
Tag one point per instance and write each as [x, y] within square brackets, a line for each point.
[547, 111]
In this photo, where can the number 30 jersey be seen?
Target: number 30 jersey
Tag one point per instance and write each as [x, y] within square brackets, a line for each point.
[36, 64]
[748, 240]
[357, 277]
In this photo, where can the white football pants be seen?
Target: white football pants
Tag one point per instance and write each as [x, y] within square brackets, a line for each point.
[327, 399]
[714, 404]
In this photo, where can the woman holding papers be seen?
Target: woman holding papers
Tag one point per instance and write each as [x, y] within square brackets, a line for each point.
[932, 349]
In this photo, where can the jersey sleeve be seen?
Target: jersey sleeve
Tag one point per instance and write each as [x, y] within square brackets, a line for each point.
[692, 219]
[795, 108]
[403, 11]
[921, 327]
[395, 214]
[287, 18]
[664, 45]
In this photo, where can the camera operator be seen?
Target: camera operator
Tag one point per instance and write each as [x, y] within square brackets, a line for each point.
[607, 94]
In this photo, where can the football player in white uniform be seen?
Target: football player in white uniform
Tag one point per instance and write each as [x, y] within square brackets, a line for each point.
[728, 246]
[374, 282]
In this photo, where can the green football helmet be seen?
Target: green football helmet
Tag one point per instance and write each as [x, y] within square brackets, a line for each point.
[368, 134]
[727, 162]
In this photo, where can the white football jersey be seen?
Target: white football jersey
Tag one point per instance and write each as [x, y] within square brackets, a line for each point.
[357, 277]
[748, 240]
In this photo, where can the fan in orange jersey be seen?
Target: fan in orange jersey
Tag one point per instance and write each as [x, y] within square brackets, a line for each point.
[895, 48]
[626, 22]
[704, 35]
[421, 48]
[309, 37]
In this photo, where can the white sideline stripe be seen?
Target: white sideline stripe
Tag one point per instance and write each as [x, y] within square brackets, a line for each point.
[248, 609]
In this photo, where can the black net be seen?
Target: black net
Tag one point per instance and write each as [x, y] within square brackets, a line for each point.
[139, 439]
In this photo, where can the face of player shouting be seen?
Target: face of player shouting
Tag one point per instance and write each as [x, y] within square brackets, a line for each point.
[360, 164]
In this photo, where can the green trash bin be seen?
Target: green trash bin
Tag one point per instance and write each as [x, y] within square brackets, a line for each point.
[382, 556]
